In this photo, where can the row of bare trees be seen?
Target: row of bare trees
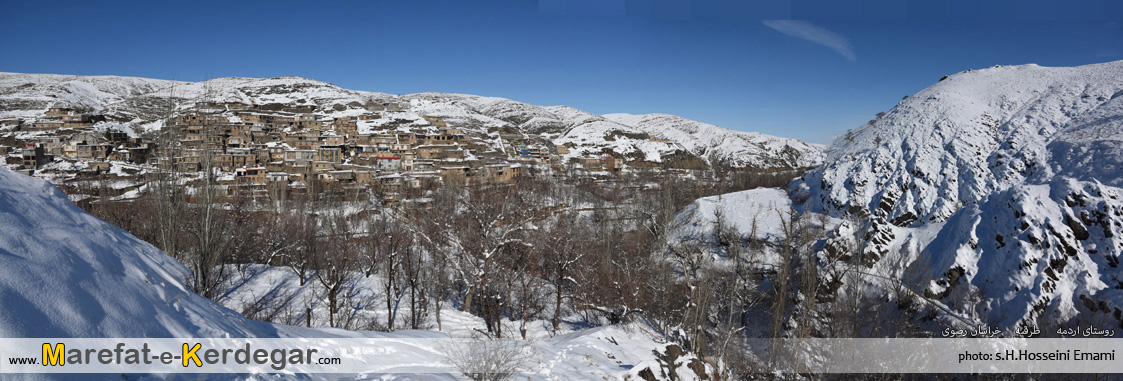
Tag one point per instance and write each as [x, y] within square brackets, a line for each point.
[541, 248]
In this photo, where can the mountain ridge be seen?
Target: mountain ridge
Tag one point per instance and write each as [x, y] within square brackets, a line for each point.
[1003, 184]
[137, 101]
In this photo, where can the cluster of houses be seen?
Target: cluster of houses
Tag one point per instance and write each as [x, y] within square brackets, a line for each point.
[68, 134]
[286, 145]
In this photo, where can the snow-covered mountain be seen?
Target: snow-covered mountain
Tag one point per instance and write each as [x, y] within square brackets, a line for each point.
[717, 144]
[975, 133]
[1002, 183]
[651, 138]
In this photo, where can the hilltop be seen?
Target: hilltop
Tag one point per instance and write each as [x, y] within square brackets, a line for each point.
[1002, 184]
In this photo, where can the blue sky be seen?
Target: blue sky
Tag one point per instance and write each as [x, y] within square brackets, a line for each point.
[824, 68]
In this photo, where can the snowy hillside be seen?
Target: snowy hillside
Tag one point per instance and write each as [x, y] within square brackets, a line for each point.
[65, 273]
[754, 214]
[1034, 250]
[717, 144]
[974, 133]
[650, 138]
[1002, 184]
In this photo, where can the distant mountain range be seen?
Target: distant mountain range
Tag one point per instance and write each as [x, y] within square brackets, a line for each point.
[653, 138]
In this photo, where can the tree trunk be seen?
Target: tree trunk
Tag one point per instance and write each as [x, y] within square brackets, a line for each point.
[557, 306]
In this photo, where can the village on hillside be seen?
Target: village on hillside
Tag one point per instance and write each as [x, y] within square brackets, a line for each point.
[255, 147]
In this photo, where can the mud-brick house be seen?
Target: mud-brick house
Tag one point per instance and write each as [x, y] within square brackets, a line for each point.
[438, 151]
[118, 154]
[139, 154]
[300, 109]
[47, 124]
[368, 152]
[250, 176]
[305, 121]
[343, 176]
[97, 166]
[237, 142]
[364, 175]
[383, 106]
[590, 163]
[81, 120]
[332, 155]
[276, 177]
[237, 106]
[329, 139]
[300, 155]
[407, 160]
[499, 173]
[33, 156]
[610, 163]
[435, 120]
[347, 126]
[322, 166]
[440, 139]
[303, 140]
[388, 163]
[59, 112]
[117, 136]
[230, 161]
[459, 173]
[97, 151]
[54, 145]
[391, 183]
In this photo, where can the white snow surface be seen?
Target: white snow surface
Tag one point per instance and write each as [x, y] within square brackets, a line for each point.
[717, 144]
[765, 207]
[65, 273]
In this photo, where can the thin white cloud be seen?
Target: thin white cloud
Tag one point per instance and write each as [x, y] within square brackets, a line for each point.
[814, 33]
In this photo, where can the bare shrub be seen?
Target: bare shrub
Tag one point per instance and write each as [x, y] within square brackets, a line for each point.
[481, 358]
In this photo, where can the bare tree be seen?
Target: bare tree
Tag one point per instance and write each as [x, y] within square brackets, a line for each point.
[304, 227]
[386, 246]
[564, 250]
[208, 225]
[164, 186]
[692, 258]
[412, 272]
[477, 226]
[335, 264]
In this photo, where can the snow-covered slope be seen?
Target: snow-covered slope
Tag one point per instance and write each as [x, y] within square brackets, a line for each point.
[753, 214]
[65, 273]
[1034, 250]
[716, 144]
[974, 133]
[651, 138]
[1002, 184]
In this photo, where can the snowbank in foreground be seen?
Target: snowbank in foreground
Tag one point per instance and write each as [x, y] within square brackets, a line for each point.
[65, 273]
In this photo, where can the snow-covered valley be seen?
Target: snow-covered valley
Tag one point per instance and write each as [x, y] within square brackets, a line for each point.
[991, 198]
